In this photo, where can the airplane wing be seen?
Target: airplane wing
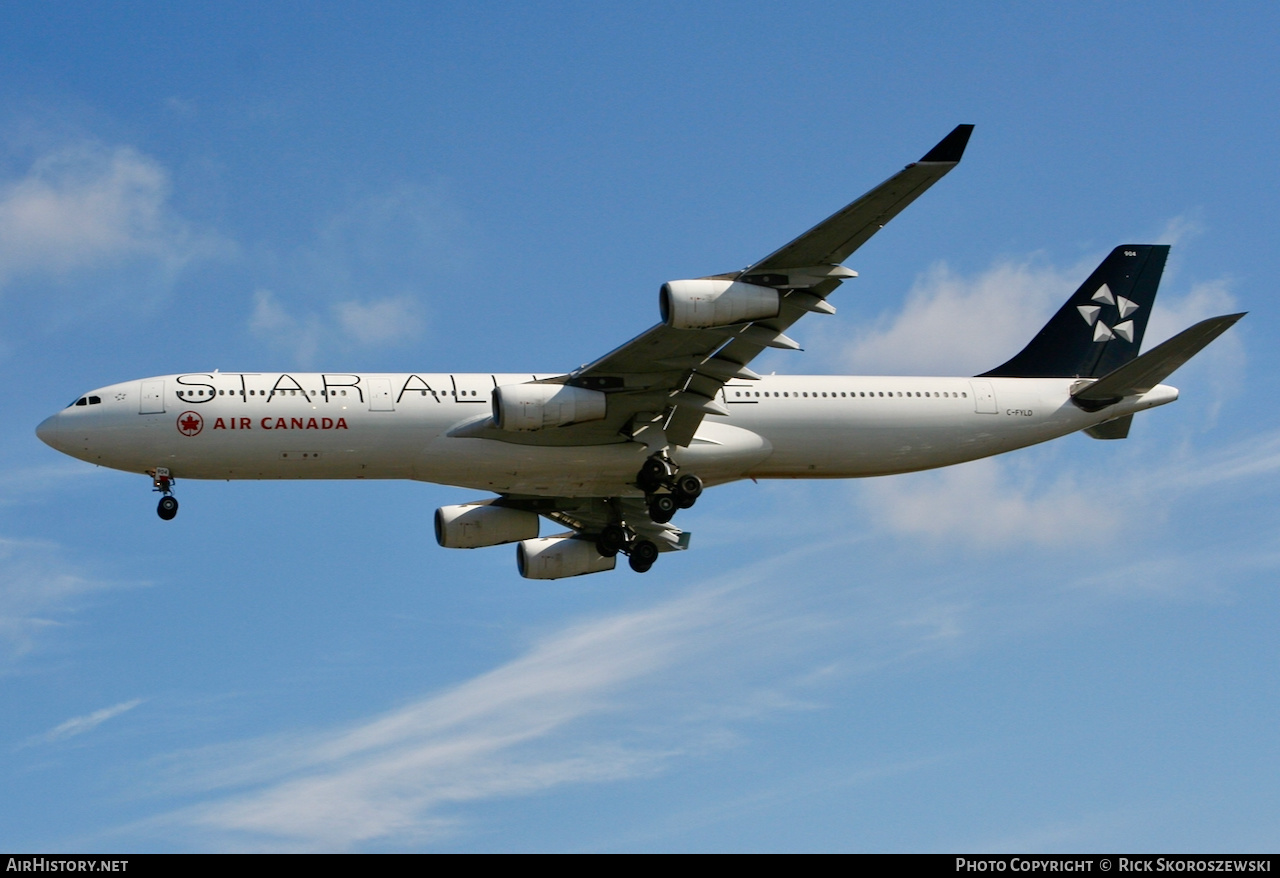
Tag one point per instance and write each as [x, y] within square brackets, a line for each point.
[668, 378]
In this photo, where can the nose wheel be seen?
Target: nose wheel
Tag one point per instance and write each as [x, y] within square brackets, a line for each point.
[162, 481]
[167, 508]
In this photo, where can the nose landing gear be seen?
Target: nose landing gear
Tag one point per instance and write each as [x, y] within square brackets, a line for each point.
[163, 482]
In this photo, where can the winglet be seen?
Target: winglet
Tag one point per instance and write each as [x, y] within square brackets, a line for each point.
[951, 147]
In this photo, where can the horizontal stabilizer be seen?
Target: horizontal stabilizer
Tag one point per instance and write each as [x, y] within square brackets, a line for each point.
[1114, 429]
[1149, 369]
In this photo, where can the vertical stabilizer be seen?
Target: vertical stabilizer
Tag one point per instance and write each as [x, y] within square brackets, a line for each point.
[1100, 328]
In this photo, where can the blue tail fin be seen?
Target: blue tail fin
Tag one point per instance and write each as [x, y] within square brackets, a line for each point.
[1100, 328]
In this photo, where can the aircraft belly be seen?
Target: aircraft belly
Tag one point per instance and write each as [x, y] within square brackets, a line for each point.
[722, 452]
[509, 468]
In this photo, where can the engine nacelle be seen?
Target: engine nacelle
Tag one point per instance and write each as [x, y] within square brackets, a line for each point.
[474, 525]
[558, 557]
[703, 304]
[522, 408]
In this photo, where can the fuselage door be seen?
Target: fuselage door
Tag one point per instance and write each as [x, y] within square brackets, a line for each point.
[152, 398]
[984, 397]
[380, 399]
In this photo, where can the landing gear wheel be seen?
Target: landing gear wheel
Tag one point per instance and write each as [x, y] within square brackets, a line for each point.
[168, 508]
[662, 508]
[653, 474]
[690, 486]
[611, 541]
[643, 554]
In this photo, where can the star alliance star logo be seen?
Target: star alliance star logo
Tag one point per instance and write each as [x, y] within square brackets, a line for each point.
[190, 423]
[1101, 331]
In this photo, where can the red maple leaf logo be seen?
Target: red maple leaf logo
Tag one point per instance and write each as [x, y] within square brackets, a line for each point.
[190, 423]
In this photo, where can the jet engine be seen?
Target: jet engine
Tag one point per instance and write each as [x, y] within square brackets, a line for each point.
[475, 525]
[558, 557]
[522, 408]
[703, 304]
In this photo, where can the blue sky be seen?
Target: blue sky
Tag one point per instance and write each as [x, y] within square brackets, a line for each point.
[1068, 648]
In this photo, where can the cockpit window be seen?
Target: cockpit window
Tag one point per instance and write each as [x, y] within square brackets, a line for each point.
[87, 400]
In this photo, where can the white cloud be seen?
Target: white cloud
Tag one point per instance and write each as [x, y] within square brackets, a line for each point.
[1252, 459]
[956, 326]
[390, 249]
[88, 207]
[368, 324]
[300, 336]
[1179, 229]
[1172, 314]
[981, 505]
[383, 322]
[78, 725]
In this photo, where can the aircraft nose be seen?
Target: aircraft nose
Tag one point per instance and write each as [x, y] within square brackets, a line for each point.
[48, 431]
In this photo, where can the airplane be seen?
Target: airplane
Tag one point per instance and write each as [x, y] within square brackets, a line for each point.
[614, 449]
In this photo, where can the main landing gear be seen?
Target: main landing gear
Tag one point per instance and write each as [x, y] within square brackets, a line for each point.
[682, 491]
[163, 482]
[666, 491]
[615, 538]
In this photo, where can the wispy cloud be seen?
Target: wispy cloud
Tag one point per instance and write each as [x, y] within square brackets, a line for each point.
[505, 733]
[301, 336]
[87, 207]
[983, 505]
[382, 322]
[386, 321]
[78, 725]
[18, 484]
[37, 589]
[392, 250]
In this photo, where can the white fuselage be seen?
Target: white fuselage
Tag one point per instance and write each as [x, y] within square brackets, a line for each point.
[396, 426]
